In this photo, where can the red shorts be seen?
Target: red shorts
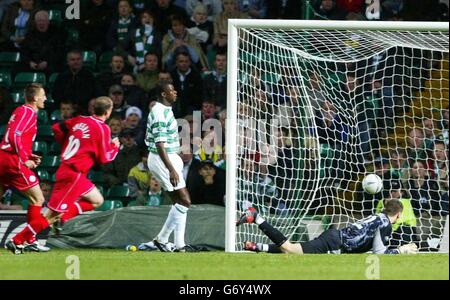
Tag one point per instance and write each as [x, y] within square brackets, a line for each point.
[69, 186]
[15, 174]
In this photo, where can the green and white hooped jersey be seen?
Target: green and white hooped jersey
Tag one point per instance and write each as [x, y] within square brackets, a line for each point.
[162, 127]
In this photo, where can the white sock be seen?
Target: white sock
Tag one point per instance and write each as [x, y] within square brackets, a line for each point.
[259, 220]
[169, 226]
[180, 228]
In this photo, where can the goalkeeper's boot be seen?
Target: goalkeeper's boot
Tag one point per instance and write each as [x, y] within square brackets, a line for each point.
[35, 247]
[163, 247]
[251, 246]
[248, 216]
[15, 249]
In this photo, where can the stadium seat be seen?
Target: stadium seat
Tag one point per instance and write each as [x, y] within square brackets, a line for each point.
[5, 79]
[110, 204]
[55, 115]
[104, 61]
[89, 59]
[73, 36]
[42, 117]
[43, 174]
[45, 133]
[25, 203]
[24, 78]
[50, 162]
[97, 177]
[51, 81]
[52, 177]
[2, 130]
[132, 203]
[118, 191]
[8, 60]
[55, 16]
[40, 148]
[100, 189]
[54, 149]
[18, 98]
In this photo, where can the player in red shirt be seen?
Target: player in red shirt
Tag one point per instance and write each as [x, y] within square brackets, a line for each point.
[17, 160]
[85, 141]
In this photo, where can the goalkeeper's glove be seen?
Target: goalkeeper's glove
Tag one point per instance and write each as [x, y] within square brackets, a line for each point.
[410, 248]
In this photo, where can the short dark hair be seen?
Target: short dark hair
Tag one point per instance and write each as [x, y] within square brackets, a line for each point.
[102, 105]
[392, 207]
[32, 90]
[162, 87]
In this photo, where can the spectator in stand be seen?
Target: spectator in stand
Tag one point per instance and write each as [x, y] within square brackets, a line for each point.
[286, 9]
[67, 109]
[445, 125]
[327, 9]
[146, 39]
[133, 117]
[188, 84]
[215, 82]
[416, 144]
[95, 20]
[256, 9]
[177, 40]
[439, 163]
[352, 6]
[163, 11]
[213, 7]
[429, 132]
[133, 94]
[4, 6]
[43, 47]
[113, 76]
[200, 27]
[148, 77]
[230, 11]
[116, 126]
[190, 166]
[123, 25]
[117, 171]
[404, 231]
[46, 188]
[209, 185]
[119, 105]
[91, 109]
[139, 177]
[76, 83]
[6, 105]
[208, 109]
[15, 25]
[399, 165]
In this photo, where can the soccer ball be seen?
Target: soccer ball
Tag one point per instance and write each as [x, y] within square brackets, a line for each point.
[372, 184]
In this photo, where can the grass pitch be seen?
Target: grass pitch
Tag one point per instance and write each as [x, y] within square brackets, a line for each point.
[120, 264]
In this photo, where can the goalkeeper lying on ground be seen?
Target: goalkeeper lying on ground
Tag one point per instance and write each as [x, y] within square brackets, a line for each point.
[369, 234]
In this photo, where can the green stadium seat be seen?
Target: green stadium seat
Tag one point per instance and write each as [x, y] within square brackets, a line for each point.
[2, 130]
[73, 36]
[5, 79]
[42, 117]
[50, 162]
[52, 177]
[100, 189]
[110, 205]
[118, 191]
[89, 59]
[55, 16]
[55, 148]
[104, 61]
[45, 133]
[43, 174]
[55, 115]
[97, 177]
[24, 78]
[132, 203]
[25, 203]
[18, 98]
[8, 60]
[40, 148]
[51, 82]
[17, 198]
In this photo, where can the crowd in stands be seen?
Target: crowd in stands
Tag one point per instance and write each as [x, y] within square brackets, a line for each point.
[123, 48]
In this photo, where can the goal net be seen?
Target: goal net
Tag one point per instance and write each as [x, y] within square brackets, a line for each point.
[313, 107]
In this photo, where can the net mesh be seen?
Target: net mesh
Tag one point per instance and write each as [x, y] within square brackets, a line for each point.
[320, 109]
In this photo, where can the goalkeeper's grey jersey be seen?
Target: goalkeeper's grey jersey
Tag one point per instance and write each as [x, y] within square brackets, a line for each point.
[369, 234]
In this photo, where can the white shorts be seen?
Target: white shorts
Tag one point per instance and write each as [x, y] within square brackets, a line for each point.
[159, 170]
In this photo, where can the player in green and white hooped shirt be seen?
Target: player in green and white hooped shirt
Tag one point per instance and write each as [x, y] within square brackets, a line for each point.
[166, 165]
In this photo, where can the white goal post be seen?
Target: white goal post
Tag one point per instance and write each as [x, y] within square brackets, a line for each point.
[313, 106]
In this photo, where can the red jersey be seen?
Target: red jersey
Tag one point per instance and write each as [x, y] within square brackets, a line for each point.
[21, 132]
[356, 6]
[85, 141]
